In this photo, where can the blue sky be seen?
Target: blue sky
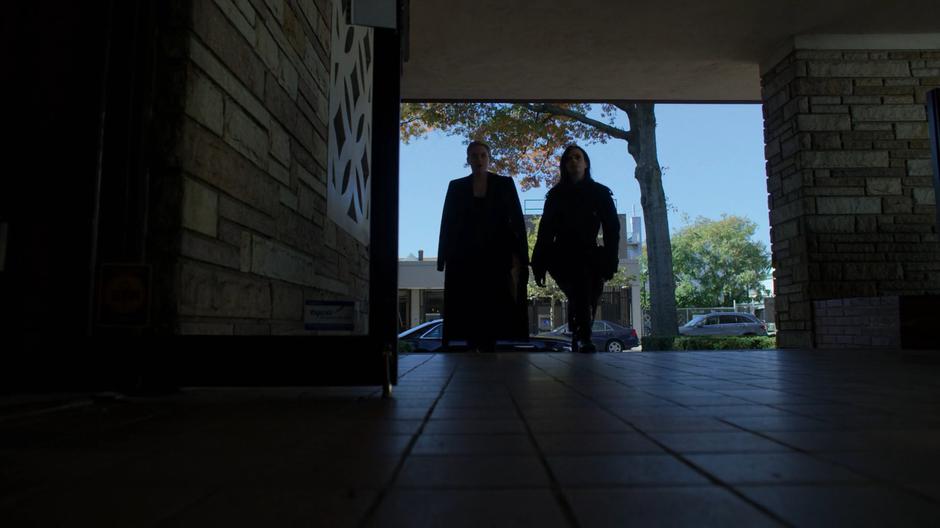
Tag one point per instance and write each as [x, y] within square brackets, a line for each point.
[714, 156]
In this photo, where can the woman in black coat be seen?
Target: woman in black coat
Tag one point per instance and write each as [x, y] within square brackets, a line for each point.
[483, 252]
[575, 208]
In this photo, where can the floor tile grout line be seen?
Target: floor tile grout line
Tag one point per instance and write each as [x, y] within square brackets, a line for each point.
[557, 490]
[874, 479]
[390, 484]
[712, 478]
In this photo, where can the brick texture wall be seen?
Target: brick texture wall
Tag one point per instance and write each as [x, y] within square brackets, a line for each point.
[865, 322]
[253, 239]
[852, 205]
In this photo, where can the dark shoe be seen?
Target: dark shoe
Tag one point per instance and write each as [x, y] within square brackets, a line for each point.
[574, 346]
[587, 347]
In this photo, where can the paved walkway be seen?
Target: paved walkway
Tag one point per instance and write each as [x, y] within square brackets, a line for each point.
[760, 438]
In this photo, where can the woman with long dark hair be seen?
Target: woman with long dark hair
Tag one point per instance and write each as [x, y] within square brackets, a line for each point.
[575, 209]
[483, 252]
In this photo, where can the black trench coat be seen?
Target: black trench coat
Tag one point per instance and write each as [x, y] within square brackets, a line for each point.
[478, 239]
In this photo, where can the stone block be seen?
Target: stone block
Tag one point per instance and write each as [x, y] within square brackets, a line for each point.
[830, 109]
[897, 204]
[798, 105]
[272, 259]
[205, 328]
[903, 81]
[235, 51]
[887, 112]
[209, 250]
[247, 136]
[310, 180]
[289, 199]
[252, 329]
[872, 271]
[862, 100]
[824, 100]
[804, 54]
[816, 86]
[228, 82]
[230, 232]
[924, 196]
[859, 69]
[891, 144]
[843, 159]
[898, 99]
[883, 186]
[307, 202]
[771, 149]
[288, 302]
[280, 143]
[245, 248]
[277, 9]
[267, 48]
[204, 102]
[846, 205]
[205, 155]
[831, 224]
[288, 77]
[823, 122]
[241, 16]
[919, 167]
[211, 292]
[200, 207]
[827, 141]
[926, 72]
[884, 90]
[874, 126]
[244, 215]
[866, 224]
[279, 172]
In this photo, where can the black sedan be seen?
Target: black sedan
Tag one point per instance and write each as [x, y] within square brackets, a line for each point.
[606, 336]
[427, 337]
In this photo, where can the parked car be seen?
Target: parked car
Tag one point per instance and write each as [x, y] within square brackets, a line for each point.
[724, 324]
[428, 337]
[606, 336]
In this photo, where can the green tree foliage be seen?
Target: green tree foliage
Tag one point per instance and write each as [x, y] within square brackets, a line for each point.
[716, 262]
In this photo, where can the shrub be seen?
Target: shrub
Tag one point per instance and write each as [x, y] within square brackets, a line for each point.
[654, 343]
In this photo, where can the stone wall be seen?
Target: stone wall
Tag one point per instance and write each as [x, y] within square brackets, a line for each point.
[254, 238]
[865, 322]
[852, 205]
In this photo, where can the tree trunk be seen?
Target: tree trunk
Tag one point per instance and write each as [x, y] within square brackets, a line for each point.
[662, 288]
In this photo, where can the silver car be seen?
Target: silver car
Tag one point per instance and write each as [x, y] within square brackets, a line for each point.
[724, 324]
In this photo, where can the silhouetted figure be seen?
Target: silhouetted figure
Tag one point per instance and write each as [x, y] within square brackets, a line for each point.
[575, 208]
[484, 253]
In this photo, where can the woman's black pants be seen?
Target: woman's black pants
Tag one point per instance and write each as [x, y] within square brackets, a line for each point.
[583, 288]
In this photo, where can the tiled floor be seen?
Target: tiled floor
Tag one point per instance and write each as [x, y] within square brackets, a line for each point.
[693, 438]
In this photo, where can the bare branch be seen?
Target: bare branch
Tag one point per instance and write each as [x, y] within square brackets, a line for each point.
[544, 108]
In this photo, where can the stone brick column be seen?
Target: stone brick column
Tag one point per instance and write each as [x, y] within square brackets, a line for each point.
[852, 205]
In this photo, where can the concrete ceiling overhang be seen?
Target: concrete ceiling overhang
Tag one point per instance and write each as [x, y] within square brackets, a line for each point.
[663, 50]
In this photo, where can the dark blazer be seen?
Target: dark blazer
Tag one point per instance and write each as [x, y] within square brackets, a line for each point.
[567, 237]
[478, 240]
[455, 229]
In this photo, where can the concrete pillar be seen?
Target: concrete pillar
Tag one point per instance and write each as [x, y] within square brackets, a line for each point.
[852, 203]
